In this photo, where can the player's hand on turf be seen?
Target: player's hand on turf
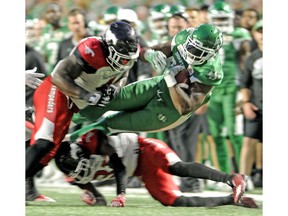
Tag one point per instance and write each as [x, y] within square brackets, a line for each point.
[90, 199]
[157, 59]
[32, 79]
[119, 201]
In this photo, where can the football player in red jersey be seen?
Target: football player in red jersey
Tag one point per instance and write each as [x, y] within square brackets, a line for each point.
[150, 159]
[90, 75]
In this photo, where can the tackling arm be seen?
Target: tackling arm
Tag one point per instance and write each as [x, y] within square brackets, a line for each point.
[119, 171]
[116, 164]
[156, 56]
[163, 47]
[63, 77]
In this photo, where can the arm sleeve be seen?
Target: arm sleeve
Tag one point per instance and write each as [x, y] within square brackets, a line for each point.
[120, 173]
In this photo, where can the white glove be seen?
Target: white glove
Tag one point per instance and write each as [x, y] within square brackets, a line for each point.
[157, 59]
[170, 74]
[93, 98]
[32, 78]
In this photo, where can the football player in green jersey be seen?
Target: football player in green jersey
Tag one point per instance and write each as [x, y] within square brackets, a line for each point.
[157, 23]
[221, 110]
[163, 102]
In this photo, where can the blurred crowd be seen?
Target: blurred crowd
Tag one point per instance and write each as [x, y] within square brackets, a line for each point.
[224, 134]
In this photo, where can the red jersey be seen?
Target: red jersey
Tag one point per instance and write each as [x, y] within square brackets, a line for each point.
[90, 53]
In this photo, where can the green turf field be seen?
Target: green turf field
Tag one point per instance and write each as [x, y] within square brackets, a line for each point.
[139, 202]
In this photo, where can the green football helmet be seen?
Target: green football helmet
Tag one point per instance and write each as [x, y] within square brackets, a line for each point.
[202, 44]
[157, 19]
[177, 8]
[111, 14]
[221, 14]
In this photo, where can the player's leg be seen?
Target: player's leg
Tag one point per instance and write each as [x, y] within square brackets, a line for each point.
[158, 113]
[215, 122]
[196, 201]
[234, 141]
[133, 96]
[197, 170]
[51, 124]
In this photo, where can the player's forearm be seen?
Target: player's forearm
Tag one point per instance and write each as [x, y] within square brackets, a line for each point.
[67, 86]
[245, 92]
[164, 47]
[183, 102]
[89, 186]
[119, 172]
[63, 76]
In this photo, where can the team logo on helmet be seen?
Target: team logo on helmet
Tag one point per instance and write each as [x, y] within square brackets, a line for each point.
[213, 75]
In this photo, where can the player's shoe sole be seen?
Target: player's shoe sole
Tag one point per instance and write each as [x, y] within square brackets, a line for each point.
[239, 185]
[42, 198]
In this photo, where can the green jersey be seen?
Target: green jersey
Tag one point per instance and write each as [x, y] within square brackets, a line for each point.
[229, 56]
[49, 44]
[209, 73]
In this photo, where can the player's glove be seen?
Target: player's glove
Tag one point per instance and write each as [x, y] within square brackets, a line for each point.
[93, 98]
[108, 93]
[89, 198]
[170, 74]
[157, 59]
[32, 79]
[119, 201]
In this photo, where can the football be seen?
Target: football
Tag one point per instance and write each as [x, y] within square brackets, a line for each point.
[183, 77]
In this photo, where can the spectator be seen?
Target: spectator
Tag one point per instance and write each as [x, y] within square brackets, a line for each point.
[77, 24]
[193, 16]
[252, 96]
[221, 110]
[176, 23]
[248, 19]
[157, 22]
[53, 32]
[203, 14]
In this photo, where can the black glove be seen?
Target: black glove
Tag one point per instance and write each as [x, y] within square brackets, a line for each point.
[108, 93]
